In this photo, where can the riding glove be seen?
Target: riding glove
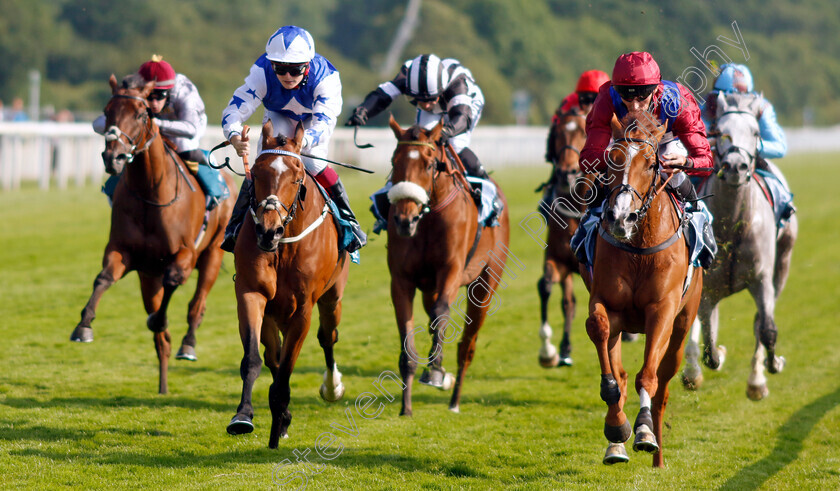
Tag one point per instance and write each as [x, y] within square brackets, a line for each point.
[359, 117]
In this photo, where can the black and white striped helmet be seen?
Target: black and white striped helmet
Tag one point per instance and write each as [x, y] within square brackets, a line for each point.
[427, 77]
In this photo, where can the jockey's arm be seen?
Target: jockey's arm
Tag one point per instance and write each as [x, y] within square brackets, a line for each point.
[245, 101]
[691, 131]
[598, 133]
[773, 143]
[325, 111]
[382, 97]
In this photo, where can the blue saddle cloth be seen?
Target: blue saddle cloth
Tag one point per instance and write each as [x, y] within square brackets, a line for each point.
[781, 196]
[344, 228]
[698, 234]
[380, 204]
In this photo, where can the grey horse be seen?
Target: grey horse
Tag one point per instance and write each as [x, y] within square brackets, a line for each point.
[753, 253]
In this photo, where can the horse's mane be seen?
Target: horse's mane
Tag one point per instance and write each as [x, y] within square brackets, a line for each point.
[643, 121]
[133, 81]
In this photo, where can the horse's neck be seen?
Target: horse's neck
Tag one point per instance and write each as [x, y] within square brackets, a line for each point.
[152, 170]
[660, 223]
[732, 203]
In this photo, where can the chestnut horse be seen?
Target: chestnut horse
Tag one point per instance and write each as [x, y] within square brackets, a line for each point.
[436, 245]
[563, 217]
[157, 223]
[637, 285]
[287, 260]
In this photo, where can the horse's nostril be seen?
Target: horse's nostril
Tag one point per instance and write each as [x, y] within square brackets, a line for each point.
[279, 232]
[632, 218]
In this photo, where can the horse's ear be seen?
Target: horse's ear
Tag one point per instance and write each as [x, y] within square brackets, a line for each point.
[616, 126]
[720, 107]
[268, 134]
[114, 84]
[395, 127]
[435, 133]
[147, 89]
[299, 133]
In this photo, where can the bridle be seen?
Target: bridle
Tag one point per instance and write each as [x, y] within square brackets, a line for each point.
[647, 199]
[115, 134]
[437, 166]
[751, 156]
[272, 202]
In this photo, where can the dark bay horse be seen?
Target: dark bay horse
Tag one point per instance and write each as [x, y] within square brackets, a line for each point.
[637, 285]
[754, 254]
[287, 261]
[436, 245]
[563, 217]
[157, 223]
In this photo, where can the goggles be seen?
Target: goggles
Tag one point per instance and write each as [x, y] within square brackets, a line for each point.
[587, 97]
[635, 92]
[294, 70]
[159, 95]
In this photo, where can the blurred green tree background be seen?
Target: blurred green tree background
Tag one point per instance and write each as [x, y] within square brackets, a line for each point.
[536, 46]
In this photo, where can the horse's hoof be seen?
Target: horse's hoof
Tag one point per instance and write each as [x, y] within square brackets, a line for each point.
[692, 379]
[332, 395]
[775, 364]
[565, 361]
[629, 337]
[432, 378]
[186, 352]
[448, 382]
[757, 392]
[82, 334]
[616, 454]
[550, 362]
[645, 440]
[240, 425]
[721, 357]
[455, 409]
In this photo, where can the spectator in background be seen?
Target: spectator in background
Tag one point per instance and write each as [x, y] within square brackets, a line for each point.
[18, 114]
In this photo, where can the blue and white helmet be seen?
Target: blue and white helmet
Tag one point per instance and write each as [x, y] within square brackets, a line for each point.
[427, 77]
[734, 77]
[290, 44]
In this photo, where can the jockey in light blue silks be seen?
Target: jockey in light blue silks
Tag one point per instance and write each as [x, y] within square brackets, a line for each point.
[295, 85]
[736, 78]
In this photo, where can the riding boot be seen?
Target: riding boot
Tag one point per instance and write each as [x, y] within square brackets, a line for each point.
[682, 188]
[766, 165]
[475, 169]
[240, 208]
[339, 196]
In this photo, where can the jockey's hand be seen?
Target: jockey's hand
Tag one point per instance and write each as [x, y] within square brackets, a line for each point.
[670, 159]
[359, 117]
[240, 144]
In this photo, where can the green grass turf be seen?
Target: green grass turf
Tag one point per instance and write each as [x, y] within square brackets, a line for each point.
[88, 416]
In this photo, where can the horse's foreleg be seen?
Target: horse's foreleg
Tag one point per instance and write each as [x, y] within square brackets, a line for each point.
[152, 292]
[616, 426]
[329, 309]
[114, 266]
[548, 356]
[692, 376]
[208, 266]
[568, 304]
[279, 392]
[713, 355]
[402, 295]
[250, 308]
[764, 328]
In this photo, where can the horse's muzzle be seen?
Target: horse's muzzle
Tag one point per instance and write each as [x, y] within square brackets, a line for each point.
[114, 164]
[735, 172]
[621, 220]
[406, 226]
[268, 240]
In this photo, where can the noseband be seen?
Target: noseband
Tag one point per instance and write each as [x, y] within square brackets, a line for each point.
[272, 202]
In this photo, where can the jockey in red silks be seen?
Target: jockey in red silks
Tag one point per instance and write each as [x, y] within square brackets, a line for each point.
[637, 85]
[580, 100]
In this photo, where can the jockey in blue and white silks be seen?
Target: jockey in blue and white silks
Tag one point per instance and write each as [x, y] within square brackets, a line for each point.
[737, 78]
[295, 85]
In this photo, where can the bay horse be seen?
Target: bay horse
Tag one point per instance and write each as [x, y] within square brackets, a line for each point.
[287, 261]
[437, 245]
[157, 223]
[637, 285]
[566, 208]
[754, 253]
